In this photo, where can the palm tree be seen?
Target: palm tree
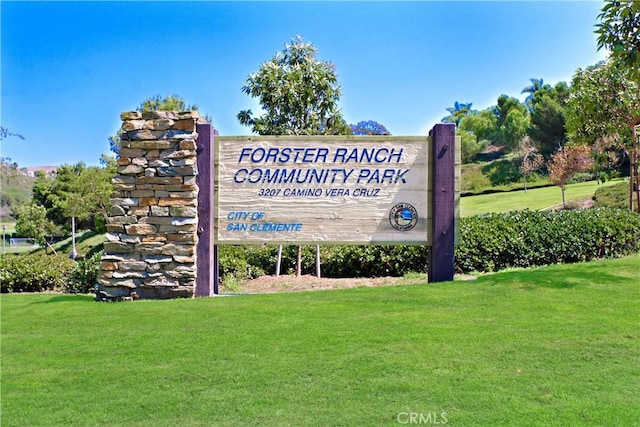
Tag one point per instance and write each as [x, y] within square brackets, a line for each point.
[457, 112]
[536, 85]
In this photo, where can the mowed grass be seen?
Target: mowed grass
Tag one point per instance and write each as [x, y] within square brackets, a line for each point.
[535, 199]
[554, 346]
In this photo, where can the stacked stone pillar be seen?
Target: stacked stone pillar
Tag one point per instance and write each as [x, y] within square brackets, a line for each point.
[152, 229]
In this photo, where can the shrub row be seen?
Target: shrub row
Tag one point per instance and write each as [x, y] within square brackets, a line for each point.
[496, 241]
[40, 272]
[488, 242]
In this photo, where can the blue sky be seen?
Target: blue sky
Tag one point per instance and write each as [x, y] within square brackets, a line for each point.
[70, 68]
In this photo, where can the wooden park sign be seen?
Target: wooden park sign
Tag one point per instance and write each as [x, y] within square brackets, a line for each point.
[327, 190]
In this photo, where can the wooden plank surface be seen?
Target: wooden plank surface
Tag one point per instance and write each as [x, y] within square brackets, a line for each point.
[322, 189]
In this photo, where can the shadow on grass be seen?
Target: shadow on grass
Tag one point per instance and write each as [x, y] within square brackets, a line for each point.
[68, 298]
[560, 277]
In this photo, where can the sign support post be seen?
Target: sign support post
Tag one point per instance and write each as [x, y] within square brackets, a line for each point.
[441, 256]
[207, 278]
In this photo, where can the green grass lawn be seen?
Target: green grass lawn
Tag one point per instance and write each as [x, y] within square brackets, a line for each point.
[554, 346]
[537, 198]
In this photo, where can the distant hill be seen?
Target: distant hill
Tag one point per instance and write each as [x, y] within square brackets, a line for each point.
[15, 188]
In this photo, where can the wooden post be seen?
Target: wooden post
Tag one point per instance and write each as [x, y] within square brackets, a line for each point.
[441, 257]
[207, 251]
[318, 261]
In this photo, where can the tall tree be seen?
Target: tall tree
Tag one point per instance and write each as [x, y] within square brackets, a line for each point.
[547, 125]
[605, 102]
[619, 31]
[32, 222]
[482, 124]
[512, 120]
[298, 93]
[369, 127]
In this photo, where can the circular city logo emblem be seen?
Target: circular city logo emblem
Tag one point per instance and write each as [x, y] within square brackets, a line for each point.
[403, 217]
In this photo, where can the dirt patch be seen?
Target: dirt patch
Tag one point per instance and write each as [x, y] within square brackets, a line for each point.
[271, 284]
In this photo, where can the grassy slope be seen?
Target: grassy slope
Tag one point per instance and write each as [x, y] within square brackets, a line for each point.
[552, 346]
[537, 198]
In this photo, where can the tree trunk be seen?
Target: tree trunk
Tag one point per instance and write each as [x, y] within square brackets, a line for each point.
[634, 170]
[279, 261]
[299, 262]
[564, 204]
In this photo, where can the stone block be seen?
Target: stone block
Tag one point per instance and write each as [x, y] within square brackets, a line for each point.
[176, 154]
[117, 210]
[183, 195]
[128, 275]
[161, 211]
[150, 248]
[157, 259]
[140, 229]
[115, 228]
[151, 144]
[152, 154]
[177, 249]
[132, 266]
[185, 124]
[121, 220]
[181, 273]
[169, 229]
[124, 187]
[130, 115]
[120, 179]
[130, 125]
[178, 221]
[140, 161]
[177, 171]
[160, 114]
[148, 201]
[132, 152]
[126, 238]
[190, 114]
[188, 144]
[130, 170]
[156, 220]
[142, 193]
[138, 211]
[157, 163]
[112, 237]
[184, 259]
[183, 211]
[164, 180]
[124, 201]
[159, 124]
[188, 161]
[118, 248]
[108, 265]
[155, 238]
[121, 257]
[183, 238]
[177, 202]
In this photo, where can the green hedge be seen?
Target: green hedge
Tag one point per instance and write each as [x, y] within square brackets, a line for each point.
[40, 272]
[35, 273]
[496, 241]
